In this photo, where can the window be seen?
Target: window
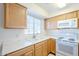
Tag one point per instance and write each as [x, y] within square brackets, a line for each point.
[37, 26]
[33, 25]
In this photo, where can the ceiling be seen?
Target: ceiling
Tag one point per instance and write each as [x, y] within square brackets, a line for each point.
[46, 10]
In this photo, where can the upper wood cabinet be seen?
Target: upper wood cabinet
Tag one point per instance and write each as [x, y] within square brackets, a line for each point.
[52, 23]
[78, 14]
[15, 15]
[71, 15]
[78, 18]
[59, 17]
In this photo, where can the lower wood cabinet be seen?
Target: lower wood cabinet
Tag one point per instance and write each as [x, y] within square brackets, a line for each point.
[28, 51]
[78, 49]
[51, 45]
[44, 46]
[39, 49]
[48, 46]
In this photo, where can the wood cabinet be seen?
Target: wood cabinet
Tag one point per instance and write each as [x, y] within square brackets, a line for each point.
[44, 46]
[78, 18]
[56, 18]
[28, 51]
[53, 46]
[41, 48]
[49, 46]
[78, 14]
[71, 15]
[51, 23]
[15, 15]
[38, 51]
[60, 17]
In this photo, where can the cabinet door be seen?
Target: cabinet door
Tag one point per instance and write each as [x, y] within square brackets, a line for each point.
[78, 14]
[51, 23]
[59, 17]
[78, 18]
[53, 46]
[49, 46]
[71, 15]
[30, 53]
[15, 16]
[38, 51]
[45, 48]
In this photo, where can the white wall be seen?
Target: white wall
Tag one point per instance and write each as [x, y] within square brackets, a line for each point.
[13, 39]
[9, 37]
[35, 9]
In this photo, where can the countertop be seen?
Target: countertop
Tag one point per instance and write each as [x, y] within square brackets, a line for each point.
[16, 45]
[22, 44]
